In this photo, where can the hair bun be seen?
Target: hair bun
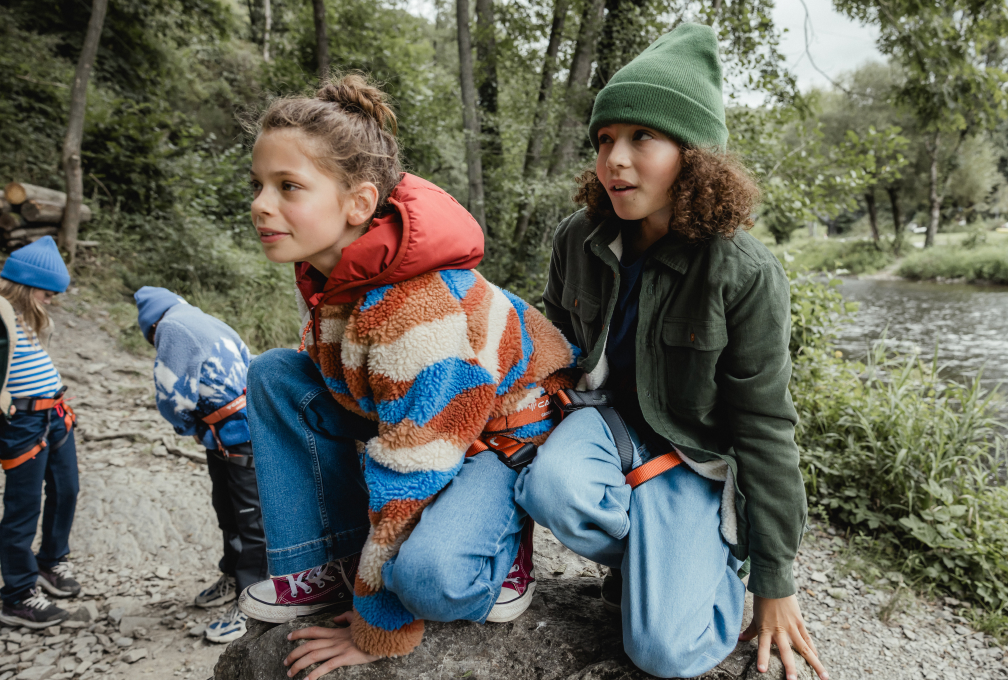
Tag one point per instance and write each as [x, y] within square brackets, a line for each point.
[355, 94]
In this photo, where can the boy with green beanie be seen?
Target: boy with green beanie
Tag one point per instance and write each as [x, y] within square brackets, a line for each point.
[684, 319]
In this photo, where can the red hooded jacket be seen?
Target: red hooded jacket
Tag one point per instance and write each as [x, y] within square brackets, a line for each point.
[428, 231]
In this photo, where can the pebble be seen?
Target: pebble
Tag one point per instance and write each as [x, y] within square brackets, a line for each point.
[124, 641]
[134, 655]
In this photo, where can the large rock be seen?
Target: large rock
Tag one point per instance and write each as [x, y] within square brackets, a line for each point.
[566, 634]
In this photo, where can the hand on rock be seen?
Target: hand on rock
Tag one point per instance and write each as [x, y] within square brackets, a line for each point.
[333, 646]
[779, 621]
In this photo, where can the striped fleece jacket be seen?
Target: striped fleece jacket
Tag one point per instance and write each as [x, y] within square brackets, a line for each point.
[407, 334]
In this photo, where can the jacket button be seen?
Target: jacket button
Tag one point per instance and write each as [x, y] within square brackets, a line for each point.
[647, 393]
[575, 302]
[692, 337]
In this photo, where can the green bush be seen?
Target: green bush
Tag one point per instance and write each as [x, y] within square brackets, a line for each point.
[856, 257]
[982, 263]
[907, 458]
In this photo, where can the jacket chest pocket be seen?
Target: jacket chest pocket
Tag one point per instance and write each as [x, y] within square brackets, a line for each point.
[584, 310]
[691, 352]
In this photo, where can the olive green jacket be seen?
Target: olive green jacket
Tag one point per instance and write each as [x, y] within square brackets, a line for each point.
[713, 369]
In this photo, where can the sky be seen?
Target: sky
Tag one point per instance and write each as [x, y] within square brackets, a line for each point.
[836, 44]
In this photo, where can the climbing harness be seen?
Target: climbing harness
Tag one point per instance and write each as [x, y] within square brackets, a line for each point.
[517, 454]
[63, 411]
[225, 411]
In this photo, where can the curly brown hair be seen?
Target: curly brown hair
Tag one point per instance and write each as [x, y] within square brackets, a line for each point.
[714, 195]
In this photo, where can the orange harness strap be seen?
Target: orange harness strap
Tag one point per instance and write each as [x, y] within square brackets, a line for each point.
[24, 457]
[226, 410]
[652, 469]
[220, 414]
[539, 411]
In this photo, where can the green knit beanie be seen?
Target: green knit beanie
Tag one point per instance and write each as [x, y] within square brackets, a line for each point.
[674, 87]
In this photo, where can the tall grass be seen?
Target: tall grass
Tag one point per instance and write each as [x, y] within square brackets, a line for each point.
[984, 263]
[914, 461]
[853, 257]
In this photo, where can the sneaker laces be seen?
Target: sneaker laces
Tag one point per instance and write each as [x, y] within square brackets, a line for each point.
[316, 576]
[514, 580]
[342, 571]
[222, 588]
[38, 600]
[63, 569]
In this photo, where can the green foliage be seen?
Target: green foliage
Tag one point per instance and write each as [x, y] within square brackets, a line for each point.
[902, 455]
[834, 255]
[983, 263]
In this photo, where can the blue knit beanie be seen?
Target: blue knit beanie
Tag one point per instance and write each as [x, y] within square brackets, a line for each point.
[152, 303]
[38, 265]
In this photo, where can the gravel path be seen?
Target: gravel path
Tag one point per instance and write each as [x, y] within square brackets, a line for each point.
[145, 541]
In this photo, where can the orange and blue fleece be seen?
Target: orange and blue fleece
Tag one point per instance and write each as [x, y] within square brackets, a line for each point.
[431, 359]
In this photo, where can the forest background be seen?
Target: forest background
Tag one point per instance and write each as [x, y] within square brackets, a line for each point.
[493, 100]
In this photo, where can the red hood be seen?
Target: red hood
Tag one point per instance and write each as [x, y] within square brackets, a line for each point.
[427, 231]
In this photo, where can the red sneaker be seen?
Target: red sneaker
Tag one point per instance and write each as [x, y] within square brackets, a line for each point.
[284, 598]
[519, 586]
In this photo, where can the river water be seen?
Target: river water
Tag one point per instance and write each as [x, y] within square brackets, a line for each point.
[969, 323]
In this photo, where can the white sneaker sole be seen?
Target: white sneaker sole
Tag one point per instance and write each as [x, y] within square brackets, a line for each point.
[502, 613]
[281, 613]
[224, 639]
[35, 625]
[51, 589]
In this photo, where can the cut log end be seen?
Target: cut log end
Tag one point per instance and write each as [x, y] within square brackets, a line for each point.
[19, 192]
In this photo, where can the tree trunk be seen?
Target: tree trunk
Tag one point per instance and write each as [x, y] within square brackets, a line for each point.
[869, 199]
[578, 96]
[267, 27]
[50, 213]
[897, 219]
[321, 38]
[75, 130]
[715, 10]
[470, 122]
[485, 40]
[17, 193]
[535, 143]
[934, 196]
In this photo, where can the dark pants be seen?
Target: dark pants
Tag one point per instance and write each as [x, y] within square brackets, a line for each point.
[55, 466]
[235, 498]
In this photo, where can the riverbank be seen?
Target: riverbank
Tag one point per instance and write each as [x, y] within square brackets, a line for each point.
[145, 541]
[956, 257]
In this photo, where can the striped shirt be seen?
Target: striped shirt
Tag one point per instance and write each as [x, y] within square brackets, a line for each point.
[32, 373]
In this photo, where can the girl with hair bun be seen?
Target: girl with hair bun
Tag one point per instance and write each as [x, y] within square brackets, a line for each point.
[373, 485]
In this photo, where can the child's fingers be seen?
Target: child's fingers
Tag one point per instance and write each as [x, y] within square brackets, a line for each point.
[749, 633]
[314, 633]
[787, 656]
[317, 655]
[763, 653]
[806, 648]
[350, 657]
[344, 618]
[304, 649]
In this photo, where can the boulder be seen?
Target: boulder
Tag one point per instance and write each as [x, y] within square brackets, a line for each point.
[566, 634]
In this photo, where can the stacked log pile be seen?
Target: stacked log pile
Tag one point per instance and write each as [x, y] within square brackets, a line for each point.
[29, 212]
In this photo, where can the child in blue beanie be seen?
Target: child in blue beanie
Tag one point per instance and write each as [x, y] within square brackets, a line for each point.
[36, 443]
[200, 377]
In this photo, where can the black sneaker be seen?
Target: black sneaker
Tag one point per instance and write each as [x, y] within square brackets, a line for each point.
[219, 593]
[59, 581]
[612, 590]
[34, 611]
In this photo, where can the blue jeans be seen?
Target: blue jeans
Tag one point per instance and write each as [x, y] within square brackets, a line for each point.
[314, 499]
[55, 467]
[682, 601]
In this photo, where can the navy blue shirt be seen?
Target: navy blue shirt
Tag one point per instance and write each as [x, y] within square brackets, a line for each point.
[621, 346]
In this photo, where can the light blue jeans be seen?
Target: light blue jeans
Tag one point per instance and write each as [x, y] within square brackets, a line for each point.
[314, 499]
[682, 601]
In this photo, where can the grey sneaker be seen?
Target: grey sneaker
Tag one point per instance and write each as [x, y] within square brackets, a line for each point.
[612, 590]
[219, 593]
[59, 581]
[34, 611]
[227, 628]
